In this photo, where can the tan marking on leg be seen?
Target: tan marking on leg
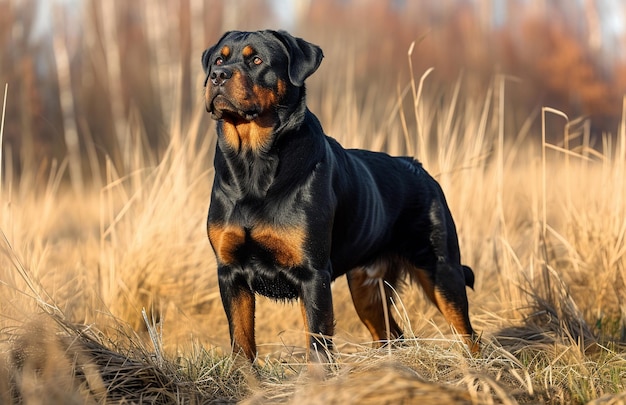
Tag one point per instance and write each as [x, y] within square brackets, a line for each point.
[369, 307]
[457, 319]
[453, 315]
[427, 284]
[306, 324]
[319, 357]
[242, 312]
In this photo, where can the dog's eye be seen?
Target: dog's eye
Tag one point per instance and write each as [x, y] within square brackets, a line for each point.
[219, 61]
[257, 60]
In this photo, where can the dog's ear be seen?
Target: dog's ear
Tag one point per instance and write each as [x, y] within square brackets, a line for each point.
[206, 55]
[303, 57]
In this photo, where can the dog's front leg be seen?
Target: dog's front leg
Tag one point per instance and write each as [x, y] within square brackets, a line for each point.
[317, 310]
[239, 304]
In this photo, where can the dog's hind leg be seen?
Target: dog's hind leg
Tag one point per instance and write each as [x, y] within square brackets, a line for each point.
[368, 303]
[445, 281]
[447, 291]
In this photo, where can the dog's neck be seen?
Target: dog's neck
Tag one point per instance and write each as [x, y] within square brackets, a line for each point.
[245, 173]
[248, 152]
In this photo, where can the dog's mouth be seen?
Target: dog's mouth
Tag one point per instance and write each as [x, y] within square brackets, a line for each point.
[221, 107]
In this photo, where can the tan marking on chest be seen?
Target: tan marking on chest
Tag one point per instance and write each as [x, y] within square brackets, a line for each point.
[285, 244]
[225, 239]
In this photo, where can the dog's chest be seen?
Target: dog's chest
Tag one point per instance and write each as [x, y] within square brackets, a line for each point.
[279, 245]
[258, 216]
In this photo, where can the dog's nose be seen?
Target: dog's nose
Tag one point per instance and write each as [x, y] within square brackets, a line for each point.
[219, 75]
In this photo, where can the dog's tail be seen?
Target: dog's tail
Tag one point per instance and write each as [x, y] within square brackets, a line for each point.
[469, 276]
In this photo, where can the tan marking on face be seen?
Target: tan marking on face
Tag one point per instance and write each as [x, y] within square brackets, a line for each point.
[225, 240]
[237, 89]
[242, 134]
[255, 134]
[225, 51]
[281, 88]
[285, 244]
[247, 51]
[265, 98]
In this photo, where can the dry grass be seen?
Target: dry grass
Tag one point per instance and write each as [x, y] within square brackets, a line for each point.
[108, 292]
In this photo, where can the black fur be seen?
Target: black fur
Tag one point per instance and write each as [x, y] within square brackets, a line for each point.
[292, 210]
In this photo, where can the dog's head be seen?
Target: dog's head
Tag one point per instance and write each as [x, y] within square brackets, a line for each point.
[250, 74]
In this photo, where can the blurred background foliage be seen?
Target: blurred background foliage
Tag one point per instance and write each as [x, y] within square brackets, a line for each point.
[81, 74]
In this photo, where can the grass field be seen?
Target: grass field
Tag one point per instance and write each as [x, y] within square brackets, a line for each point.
[108, 289]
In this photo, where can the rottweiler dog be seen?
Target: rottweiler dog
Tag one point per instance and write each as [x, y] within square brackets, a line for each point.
[291, 209]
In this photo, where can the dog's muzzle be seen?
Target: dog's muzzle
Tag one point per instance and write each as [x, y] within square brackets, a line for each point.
[220, 75]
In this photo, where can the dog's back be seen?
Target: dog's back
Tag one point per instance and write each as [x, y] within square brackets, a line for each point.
[389, 206]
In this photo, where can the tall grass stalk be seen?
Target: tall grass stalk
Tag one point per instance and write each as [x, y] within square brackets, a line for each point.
[4, 109]
[66, 98]
[107, 15]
